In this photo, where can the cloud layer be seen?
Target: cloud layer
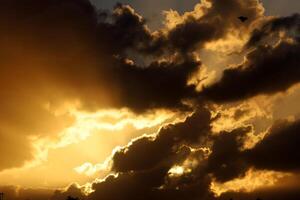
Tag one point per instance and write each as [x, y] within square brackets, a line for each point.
[68, 52]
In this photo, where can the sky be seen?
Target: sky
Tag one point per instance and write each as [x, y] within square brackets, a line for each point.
[148, 8]
[152, 10]
[150, 99]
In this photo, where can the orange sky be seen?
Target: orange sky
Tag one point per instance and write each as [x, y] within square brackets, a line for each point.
[99, 100]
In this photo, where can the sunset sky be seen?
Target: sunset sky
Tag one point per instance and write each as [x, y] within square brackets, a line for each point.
[150, 99]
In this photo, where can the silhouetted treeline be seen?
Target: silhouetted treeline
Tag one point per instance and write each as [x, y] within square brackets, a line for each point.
[72, 198]
[256, 199]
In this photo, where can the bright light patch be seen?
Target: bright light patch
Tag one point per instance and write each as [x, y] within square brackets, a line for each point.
[92, 136]
[252, 181]
[89, 169]
[87, 123]
[178, 171]
[174, 18]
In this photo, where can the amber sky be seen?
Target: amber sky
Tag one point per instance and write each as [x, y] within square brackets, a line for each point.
[151, 100]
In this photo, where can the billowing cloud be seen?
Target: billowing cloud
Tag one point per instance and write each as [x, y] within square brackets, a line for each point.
[210, 21]
[281, 142]
[145, 167]
[286, 25]
[276, 151]
[267, 68]
[148, 152]
[276, 193]
[142, 167]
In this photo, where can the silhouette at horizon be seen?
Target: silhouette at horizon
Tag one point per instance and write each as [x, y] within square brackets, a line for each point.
[72, 198]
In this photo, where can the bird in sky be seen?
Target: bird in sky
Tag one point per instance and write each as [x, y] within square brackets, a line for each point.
[243, 18]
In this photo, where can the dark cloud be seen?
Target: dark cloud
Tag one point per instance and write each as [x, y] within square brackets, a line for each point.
[226, 161]
[193, 33]
[217, 22]
[159, 85]
[163, 150]
[136, 163]
[143, 166]
[74, 51]
[131, 32]
[164, 84]
[279, 150]
[146, 185]
[276, 152]
[136, 185]
[274, 193]
[290, 25]
[267, 70]
[72, 191]
[70, 49]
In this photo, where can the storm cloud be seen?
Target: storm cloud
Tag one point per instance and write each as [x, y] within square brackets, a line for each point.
[142, 168]
[267, 69]
[145, 165]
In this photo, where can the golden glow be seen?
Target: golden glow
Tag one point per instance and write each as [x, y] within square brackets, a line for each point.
[253, 180]
[233, 42]
[89, 169]
[173, 18]
[89, 141]
[203, 78]
[67, 144]
[198, 155]
[229, 120]
[177, 171]
[87, 123]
